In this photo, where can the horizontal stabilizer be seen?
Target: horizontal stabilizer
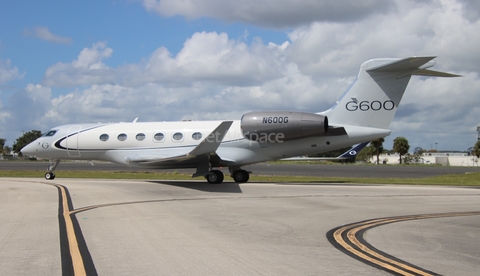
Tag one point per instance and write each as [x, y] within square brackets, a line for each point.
[405, 64]
[432, 73]
[416, 65]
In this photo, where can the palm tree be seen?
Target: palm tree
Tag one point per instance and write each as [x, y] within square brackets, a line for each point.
[476, 149]
[378, 145]
[401, 146]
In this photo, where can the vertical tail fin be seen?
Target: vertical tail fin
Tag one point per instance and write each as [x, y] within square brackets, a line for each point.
[373, 98]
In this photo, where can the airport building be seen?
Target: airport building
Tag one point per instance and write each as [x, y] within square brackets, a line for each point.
[433, 158]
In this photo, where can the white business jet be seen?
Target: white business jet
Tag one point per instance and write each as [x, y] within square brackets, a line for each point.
[363, 113]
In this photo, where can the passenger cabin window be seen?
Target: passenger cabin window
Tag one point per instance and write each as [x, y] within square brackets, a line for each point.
[122, 137]
[104, 137]
[197, 136]
[50, 133]
[140, 137]
[159, 137]
[177, 136]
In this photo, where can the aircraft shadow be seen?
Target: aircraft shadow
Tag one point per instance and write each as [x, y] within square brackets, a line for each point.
[225, 187]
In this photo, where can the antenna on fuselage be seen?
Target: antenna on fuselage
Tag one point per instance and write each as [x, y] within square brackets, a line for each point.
[134, 121]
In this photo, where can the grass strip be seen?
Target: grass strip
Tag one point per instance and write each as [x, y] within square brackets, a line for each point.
[468, 179]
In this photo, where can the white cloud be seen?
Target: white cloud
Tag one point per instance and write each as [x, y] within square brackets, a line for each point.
[27, 109]
[271, 13]
[45, 34]
[205, 56]
[470, 9]
[7, 73]
[87, 69]
[215, 57]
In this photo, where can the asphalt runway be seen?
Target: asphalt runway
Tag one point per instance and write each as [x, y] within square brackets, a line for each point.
[132, 227]
[318, 169]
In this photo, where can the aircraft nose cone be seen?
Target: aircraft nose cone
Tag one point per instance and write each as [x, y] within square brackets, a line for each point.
[29, 149]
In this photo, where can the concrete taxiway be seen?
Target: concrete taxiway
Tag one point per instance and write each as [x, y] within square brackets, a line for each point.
[273, 169]
[131, 227]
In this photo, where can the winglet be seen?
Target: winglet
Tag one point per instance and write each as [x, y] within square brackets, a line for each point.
[352, 153]
[213, 140]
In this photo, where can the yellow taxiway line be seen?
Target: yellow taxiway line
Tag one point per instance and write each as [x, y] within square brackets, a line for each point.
[349, 238]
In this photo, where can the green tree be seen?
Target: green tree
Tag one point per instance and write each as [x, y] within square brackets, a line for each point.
[25, 139]
[401, 146]
[6, 152]
[365, 154]
[378, 145]
[476, 149]
[2, 144]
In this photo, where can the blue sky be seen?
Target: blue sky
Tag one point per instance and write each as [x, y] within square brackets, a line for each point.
[107, 61]
[125, 26]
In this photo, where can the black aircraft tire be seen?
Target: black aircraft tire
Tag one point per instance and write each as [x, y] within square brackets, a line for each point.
[241, 176]
[215, 177]
[49, 176]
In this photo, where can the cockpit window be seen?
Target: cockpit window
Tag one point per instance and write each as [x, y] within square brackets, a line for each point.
[50, 133]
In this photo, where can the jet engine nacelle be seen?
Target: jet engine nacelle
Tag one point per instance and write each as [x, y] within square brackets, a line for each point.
[278, 126]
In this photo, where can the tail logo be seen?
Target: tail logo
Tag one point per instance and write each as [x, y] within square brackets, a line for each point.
[366, 105]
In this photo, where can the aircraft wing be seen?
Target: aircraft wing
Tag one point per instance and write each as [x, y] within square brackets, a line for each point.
[177, 156]
[349, 154]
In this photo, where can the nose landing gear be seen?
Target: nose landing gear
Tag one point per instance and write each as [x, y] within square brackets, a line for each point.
[50, 175]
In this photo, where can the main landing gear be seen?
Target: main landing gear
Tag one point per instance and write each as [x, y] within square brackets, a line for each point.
[239, 175]
[50, 175]
[214, 177]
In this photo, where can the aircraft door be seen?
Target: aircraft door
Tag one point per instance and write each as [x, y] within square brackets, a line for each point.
[72, 141]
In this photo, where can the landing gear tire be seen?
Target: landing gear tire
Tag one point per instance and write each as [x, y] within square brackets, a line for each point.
[241, 176]
[214, 177]
[49, 176]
